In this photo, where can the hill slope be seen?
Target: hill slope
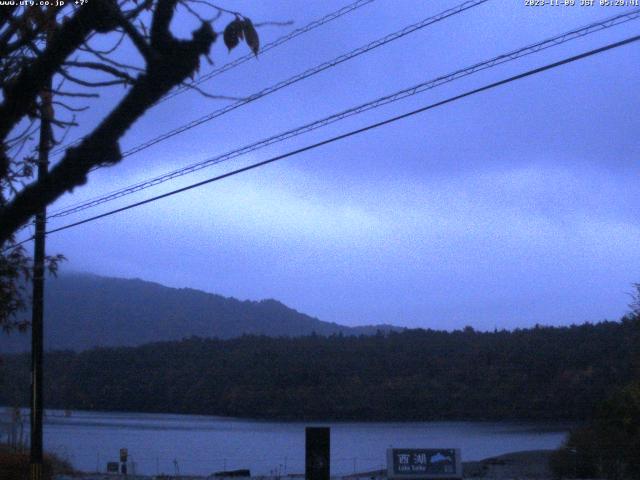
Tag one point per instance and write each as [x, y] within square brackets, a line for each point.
[542, 373]
[83, 311]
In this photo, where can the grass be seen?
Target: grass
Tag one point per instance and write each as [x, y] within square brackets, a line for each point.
[15, 465]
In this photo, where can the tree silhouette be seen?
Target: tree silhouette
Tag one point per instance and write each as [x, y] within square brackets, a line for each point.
[52, 63]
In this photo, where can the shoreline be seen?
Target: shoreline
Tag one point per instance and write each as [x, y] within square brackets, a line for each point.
[521, 465]
[525, 464]
[60, 413]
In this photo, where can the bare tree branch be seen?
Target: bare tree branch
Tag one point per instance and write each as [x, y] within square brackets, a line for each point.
[137, 39]
[162, 16]
[69, 107]
[108, 51]
[134, 12]
[61, 93]
[38, 46]
[104, 68]
[174, 61]
[209, 95]
[86, 83]
[20, 94]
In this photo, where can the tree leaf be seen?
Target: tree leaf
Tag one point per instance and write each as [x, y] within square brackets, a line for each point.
[251, 36]
[233, 34]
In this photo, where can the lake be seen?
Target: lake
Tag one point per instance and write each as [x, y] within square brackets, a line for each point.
[200, 445]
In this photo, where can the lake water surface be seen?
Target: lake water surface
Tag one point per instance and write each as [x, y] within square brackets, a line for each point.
[192, 444]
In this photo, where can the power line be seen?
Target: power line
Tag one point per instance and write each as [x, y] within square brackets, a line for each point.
[307, 73]
[274, 44]
[407, 92]
[388, 121]
[245, 58]
[346, 135]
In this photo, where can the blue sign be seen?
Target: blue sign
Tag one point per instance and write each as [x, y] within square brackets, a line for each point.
[424, 463]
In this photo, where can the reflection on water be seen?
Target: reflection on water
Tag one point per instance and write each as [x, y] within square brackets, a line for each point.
[195, 444]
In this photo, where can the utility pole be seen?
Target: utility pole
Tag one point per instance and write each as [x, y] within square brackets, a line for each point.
[37, 308]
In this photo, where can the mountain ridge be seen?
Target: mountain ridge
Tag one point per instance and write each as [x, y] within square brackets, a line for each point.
[85, 310]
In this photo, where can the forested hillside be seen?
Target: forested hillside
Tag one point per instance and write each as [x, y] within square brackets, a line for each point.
[540, 373]
[85, 311]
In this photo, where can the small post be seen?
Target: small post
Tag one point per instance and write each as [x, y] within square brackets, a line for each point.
[317, 453]
[124, 456]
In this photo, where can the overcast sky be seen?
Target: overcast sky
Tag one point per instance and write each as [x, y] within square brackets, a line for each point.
[509, 208]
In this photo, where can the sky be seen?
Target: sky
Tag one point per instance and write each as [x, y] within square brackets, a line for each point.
[509, 208]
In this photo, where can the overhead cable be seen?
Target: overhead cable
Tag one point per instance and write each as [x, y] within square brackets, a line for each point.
[378, 102]
[388, 121]
[245, 58]
[307, 73]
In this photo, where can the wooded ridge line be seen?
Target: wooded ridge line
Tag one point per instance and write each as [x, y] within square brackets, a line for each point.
[542, 373]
